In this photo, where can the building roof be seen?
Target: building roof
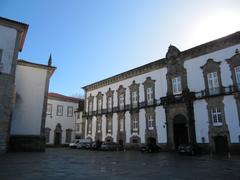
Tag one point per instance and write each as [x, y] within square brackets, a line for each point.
[60, 97]
[21, 27]
[36, 65]
[200, 50]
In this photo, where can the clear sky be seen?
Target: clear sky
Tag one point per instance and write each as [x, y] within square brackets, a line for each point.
[94, 39]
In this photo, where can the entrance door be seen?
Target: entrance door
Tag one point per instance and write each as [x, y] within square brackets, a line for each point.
[180, 131]
[221, 145]
[57, 138]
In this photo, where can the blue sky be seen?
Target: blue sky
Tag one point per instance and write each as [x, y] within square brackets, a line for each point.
[91, 39]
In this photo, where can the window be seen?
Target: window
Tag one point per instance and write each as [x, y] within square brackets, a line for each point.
[49, 109]
[109, 103]
[99, 105]
[89, 126]
[68, 135]
[216, 116]
[121, 101]
[78, 115]
[70, 111]
[150, 122]
[134, 99]
[135, 124]
[121, 125]
[213, 84]
[59, 110]
[99, 126]
[149, 95]
[237, 73]
[77, 126]
[109, 125]
[47, 134]
[177, 85]
[90, 107]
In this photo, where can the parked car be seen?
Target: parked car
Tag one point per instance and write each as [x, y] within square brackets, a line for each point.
[96, 145]
[74, 143]
[150, 148]
[84, 144]
[189, 149]
[110, 146]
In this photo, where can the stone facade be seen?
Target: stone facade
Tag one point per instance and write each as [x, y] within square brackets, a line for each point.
[173, 101]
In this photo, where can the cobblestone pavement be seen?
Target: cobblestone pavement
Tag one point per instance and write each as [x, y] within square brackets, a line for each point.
[64, 163]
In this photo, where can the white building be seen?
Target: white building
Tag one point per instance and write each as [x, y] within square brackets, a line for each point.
[188, 97]
[23, 92]
[60, 119]
[12, 36]
[29, 113]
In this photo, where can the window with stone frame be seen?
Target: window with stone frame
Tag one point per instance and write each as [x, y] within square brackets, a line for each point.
[70, 111]
[234, 63]
[212, 77]
[47, 135]
[121, 97]
[109, 125]
[150, 118]
[49, 109]
[149, 90]
[59, 110]
[135, 122]
[213, 84]
[68, 135]
[216, 115]
[121, 124]
[99, 125]
[90, 104]
[237, 74]
[134, 94]
[109, 96]
[177, 85]
[77, 126]
[99, 102]
[89, 126]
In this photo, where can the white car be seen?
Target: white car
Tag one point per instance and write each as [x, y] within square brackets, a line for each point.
[74, 143]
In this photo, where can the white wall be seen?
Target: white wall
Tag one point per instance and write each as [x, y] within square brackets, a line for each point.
[232, 119]
[30, 88]
[7, 45]
[195, 74]
[201, 120]
[65, 121]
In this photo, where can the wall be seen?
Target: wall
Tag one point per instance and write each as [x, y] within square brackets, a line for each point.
[30, 88]
[7, 44]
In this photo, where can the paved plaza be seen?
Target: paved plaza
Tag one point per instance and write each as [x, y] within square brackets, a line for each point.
[64, 163]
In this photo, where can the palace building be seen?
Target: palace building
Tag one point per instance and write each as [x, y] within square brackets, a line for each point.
[188, 97]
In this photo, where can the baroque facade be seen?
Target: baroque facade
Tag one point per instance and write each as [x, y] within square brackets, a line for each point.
[188, 97]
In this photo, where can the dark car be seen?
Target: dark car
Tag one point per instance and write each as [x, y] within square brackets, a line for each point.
[110, 146]
[189, 149]
[150, 148]
[96, 145]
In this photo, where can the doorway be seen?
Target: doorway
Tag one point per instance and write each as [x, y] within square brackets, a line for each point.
[58, 135]
[180, 131]
[221, 145]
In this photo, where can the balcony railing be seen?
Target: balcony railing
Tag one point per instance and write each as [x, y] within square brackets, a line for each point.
[217, 91]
